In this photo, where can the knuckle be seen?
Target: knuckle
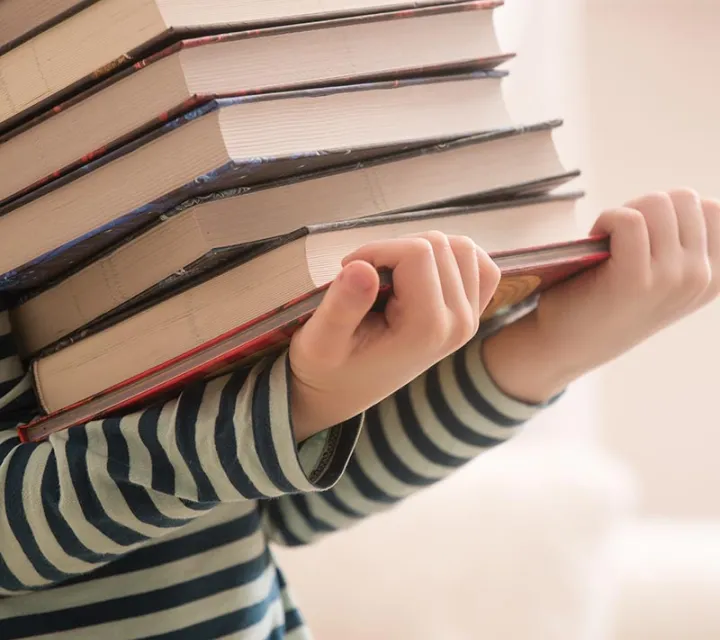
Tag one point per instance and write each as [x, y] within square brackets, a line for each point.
[421, 247]
[438, 239]
[463, 243]
[684, 194]
[698, 277]
[652, 201]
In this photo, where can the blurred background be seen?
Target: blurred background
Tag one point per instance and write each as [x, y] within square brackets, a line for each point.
[603, 520]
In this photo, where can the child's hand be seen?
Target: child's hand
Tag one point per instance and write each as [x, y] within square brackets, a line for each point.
[345, 360]
[665, 264]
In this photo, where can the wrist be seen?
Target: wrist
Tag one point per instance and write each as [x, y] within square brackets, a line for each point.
[524, 364]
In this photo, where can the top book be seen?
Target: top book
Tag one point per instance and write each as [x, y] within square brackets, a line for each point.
[108, 35]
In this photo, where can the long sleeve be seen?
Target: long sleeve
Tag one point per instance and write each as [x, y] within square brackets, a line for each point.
[96, 492]
[413, 439]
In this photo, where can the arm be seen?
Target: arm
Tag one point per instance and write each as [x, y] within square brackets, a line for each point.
[95, 492]
[418, 436]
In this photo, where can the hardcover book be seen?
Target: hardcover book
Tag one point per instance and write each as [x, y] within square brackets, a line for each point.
[526, 273]
[110, 35]
[193, 72]
[206, 232]
[230, 143]
[289, 268]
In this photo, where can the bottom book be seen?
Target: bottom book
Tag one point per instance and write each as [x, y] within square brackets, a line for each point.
[525, 274]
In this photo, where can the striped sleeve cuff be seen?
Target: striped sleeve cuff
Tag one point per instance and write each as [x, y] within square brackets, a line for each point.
[316, 464]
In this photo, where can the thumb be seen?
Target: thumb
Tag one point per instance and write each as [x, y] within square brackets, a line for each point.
[329, 331]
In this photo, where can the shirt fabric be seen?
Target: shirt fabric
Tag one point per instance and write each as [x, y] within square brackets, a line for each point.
[159, 524]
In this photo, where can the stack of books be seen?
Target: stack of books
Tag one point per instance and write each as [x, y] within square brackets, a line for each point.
[180, 179]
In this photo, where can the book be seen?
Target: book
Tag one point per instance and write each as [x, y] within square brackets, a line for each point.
[291, 267]
[192, 72]
[20, 20]
[526, 273]
[109, 35]
[231, 142]
[210, 230]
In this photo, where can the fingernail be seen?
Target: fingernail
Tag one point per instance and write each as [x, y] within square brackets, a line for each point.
[359, 279]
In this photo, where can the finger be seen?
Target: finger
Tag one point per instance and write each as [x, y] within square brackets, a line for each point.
[467, 255]
[451, 282]
[662, 224]
[330, 330]
[629, 238]
[711, 212]
[416, 281]
[691, 221]
[489, 278]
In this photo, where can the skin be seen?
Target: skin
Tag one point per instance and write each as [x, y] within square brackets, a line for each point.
[664, 265]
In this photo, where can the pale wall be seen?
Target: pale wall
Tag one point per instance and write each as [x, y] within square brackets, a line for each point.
[653, 98]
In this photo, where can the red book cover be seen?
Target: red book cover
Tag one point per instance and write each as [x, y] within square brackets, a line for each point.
[526, 274]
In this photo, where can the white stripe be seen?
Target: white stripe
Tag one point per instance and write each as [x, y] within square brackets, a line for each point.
[282, 435]
[107, 490]
[205, 441]
[69, 505]
[42, 533]
[12, 551]
[185, 486]
[506, 405]
[179, 617]
[138, 582]
[21, 387]
[247, 451]
[463, 410]
[10, 368]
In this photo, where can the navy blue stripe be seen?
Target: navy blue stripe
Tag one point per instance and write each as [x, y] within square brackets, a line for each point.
[188, 411]
[163, 473]
[162, 470]
[17, 518]
[277, 517]
[417, 435]
[23, 408]
[226, 438]
[301, 504]
[278, 633]
[336, 503]
[159, 554]
[447, 417]
[76, 451]
[126, 607]
[8, 385]
[390, 460]
[262, 432]
[293, 620]
[7, 346]
[225, 625]
[366, 486]
[474, 397]
[136, 497]
[7, 447]
[65, 536]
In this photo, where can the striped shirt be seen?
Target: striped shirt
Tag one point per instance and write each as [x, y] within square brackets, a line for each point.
[159, 524]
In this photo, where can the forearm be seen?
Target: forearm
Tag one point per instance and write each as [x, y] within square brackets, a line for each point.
[94, 492]
[416, 437]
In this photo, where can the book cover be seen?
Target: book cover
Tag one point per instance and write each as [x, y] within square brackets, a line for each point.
[515, 296]
[76, 7]
[200, 99]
